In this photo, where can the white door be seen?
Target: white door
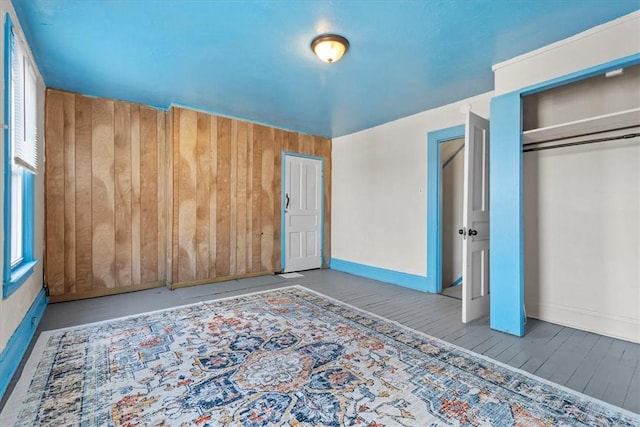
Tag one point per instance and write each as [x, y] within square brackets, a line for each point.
[302, 213]
[475, 222]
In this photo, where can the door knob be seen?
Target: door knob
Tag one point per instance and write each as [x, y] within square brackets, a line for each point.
[461, 232]
[473, 232]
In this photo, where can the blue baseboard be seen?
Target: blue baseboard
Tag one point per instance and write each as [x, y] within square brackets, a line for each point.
[389, 276]
[18, 344]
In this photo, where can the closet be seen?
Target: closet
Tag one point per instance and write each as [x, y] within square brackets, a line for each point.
[581, 204]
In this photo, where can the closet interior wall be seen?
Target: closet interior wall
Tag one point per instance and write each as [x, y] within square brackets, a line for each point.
[137, 197]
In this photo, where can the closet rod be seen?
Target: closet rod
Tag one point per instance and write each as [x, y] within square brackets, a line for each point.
[571, 144]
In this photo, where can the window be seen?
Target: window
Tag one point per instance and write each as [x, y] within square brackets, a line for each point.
[20, 161]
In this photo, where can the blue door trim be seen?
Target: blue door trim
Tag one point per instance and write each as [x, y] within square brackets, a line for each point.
[282, 204]
[506, 183]
[434, 204]
[6, 273]
[506, 217]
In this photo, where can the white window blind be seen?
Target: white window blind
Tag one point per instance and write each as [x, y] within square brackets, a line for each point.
[24, 108]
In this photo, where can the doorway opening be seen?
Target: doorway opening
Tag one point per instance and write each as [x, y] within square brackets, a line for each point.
[475, 214]
[452, 193]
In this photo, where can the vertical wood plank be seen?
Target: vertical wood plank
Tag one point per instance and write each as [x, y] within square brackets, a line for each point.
[213, 194]
[267, 197]
[122, 135]
[317, 146]
[69, 249]
[55, 195]
[102, 188]
[202, 196]
[280, 145]
[135, 196]
[83, 211]
[175, 239]
[306, 144]
[170, 182]
[290, 142]
[255, 177]
[233, 205]
[187, 201]
[241, 197]
[223, 217]
[161, 178]
[249, 203]
[148, 195]
[325, 152]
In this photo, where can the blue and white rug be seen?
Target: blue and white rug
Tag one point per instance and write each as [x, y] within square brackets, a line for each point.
[289, 357]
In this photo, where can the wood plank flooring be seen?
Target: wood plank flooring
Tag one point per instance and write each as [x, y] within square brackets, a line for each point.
[601, 367]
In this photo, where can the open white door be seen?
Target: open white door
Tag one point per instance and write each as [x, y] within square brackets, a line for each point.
[302, 213]
[475, 230]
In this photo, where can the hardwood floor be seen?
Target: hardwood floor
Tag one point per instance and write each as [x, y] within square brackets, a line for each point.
[602, 367]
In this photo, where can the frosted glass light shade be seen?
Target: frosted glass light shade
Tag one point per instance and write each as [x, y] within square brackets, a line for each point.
[329, 47]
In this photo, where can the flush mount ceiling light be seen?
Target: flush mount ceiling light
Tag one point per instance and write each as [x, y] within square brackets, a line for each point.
[329, 47]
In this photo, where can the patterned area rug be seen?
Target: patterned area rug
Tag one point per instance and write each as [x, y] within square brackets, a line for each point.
[289, 357]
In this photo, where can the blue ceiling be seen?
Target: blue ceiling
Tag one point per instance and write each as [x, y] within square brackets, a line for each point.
[251, 58]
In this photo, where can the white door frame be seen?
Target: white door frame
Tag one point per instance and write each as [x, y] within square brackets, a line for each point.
[283, 202]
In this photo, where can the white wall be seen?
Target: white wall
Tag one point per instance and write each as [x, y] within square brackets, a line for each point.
[13, 309]
[379, 178]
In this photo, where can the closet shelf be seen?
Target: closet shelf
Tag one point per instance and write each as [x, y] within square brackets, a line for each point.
[606, 122]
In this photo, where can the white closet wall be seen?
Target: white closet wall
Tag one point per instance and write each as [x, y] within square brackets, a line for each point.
[582, 237]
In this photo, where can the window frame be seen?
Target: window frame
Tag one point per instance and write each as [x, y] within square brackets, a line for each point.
[14, 276]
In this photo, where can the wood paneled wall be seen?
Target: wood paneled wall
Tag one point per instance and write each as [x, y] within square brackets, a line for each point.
[104, 184]
[227, 195]
[136, 197]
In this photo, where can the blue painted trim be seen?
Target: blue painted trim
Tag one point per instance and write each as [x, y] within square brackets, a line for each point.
[456, 282]
[626, 61]
[14, 277]
[18, 344]
[282, 204]
[434, 204]
[381, 274]
[19, 275]
[6, 271]
[506, 215]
